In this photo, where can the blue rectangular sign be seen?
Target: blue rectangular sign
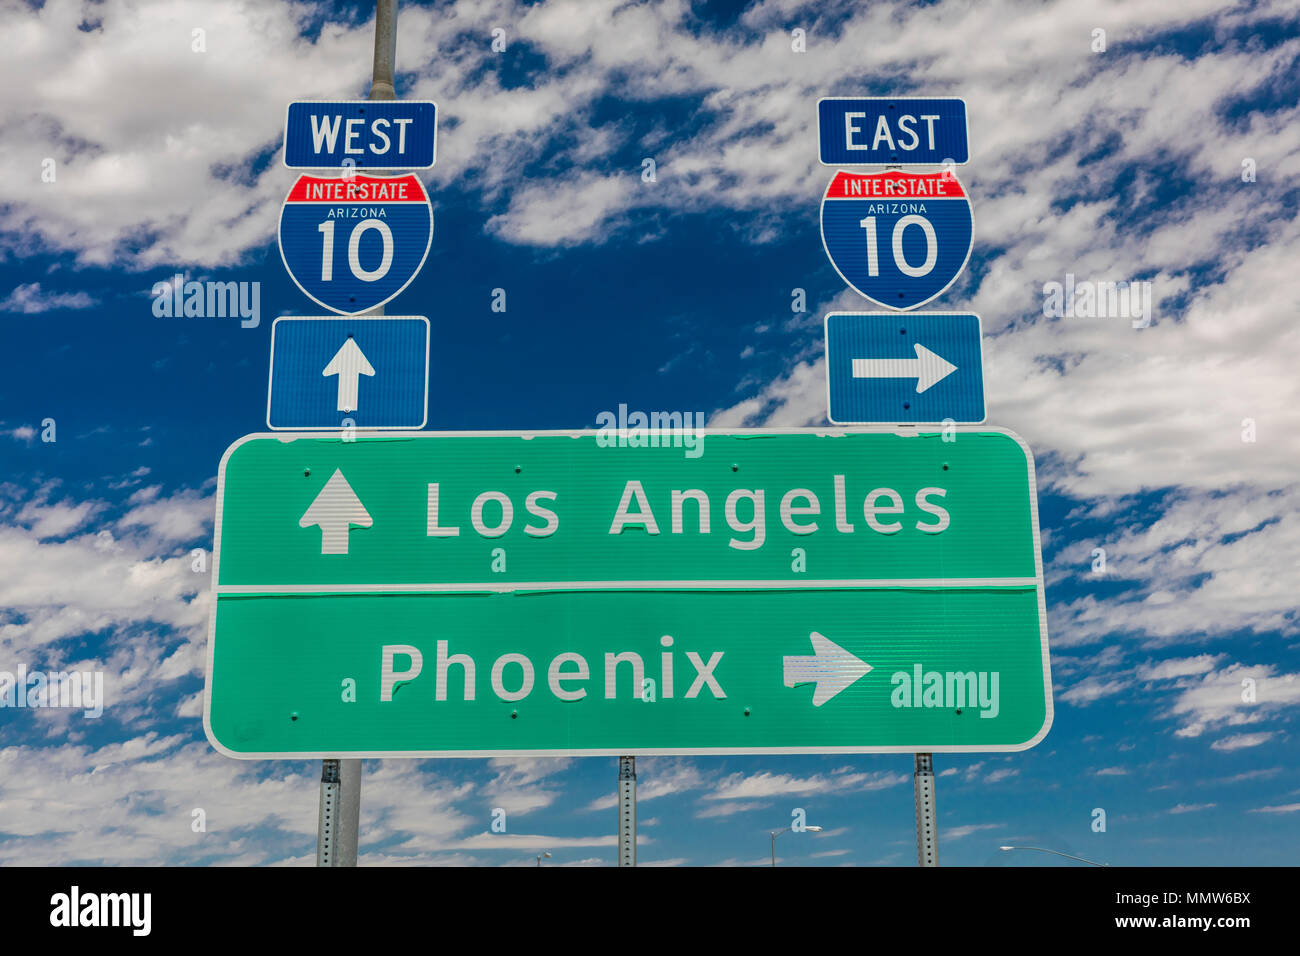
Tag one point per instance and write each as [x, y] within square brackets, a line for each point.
[891, 368]
[891, 130]
[329, 371]
[374, 134]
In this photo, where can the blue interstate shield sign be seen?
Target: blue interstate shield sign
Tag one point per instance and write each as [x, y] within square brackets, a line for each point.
[890, 368]
[335, 371]
[899, 239]
[353, 243]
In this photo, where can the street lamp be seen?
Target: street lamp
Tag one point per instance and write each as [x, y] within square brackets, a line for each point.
[546, 855]
[1043, 849]
[775, 833]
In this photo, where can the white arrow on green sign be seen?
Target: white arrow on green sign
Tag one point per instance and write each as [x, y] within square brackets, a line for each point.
[759, 591]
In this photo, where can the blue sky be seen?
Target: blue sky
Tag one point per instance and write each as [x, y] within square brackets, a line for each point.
[674, 295]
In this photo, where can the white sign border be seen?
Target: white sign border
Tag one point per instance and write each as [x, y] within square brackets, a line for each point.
[821, 227]
[284, 148]
[279, 242]
[1049, 708]
[965, 114]
[270, 374]
[979, 323]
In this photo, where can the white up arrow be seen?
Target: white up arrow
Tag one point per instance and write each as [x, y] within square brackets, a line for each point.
[927, 368]
[831, 667]
[336, 509]
[348, 363]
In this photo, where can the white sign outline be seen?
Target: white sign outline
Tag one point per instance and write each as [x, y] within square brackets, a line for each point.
[270, 373]
[279, 238]
[831, 433]
[965, 112]
[901, 309]
[284, 149]
[979, 323]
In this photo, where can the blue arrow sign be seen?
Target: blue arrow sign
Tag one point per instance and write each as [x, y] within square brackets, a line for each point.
[893, 368]
[373, 370]
[899, 239]
[353, 243]
[892, 130]
[363, 134]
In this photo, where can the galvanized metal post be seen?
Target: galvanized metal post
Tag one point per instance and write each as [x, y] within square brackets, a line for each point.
[327, 827]
[381, 83]
[627, 811]
[339, 829]
[927, 821]
[349, 819]
[340, 811]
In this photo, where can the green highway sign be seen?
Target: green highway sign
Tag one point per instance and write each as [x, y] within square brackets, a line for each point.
[422, 594]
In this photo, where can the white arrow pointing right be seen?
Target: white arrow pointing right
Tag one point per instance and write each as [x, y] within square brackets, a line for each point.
[831, 667]
[927, 368]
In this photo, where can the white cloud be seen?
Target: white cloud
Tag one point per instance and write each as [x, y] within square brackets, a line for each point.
[181, 517]
[738, 786]
[517, 786]
[1173, 667]
[1092, 689]
[118, 582]
[1210, 562]
[1242, 741]
[1232, 697]
[551, 214]
[662, 778]
[535, 841]
[727, 809]
[1284, 808]
[957, 833]
[56, 520]
[29, 299]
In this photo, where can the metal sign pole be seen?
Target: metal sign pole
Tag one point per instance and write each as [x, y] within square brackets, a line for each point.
[381, 83]
[627, 811]
[339, 829]
[927, 829]
[329, 813]
[340, 811]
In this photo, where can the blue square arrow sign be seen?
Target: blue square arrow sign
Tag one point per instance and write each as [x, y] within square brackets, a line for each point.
[904, 368]
[373, 370]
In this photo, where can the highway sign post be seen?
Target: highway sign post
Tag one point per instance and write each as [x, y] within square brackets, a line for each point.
[887, 367]
[471, 594]
[361, 134]
[899, 239]
[892, 130]
[352, 244]
[329, 372]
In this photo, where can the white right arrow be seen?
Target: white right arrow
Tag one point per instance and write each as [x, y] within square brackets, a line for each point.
[348, 363]
[831, 667]
[336, 509]
[927, 368]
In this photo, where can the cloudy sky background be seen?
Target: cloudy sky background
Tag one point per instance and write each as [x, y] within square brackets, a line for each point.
[1115, 165]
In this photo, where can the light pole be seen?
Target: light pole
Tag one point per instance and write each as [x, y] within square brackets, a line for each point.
[775, 833]
[1043, 849]
[540, 856]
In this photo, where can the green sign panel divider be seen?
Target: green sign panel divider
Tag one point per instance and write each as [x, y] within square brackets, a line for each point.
[479, 594]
